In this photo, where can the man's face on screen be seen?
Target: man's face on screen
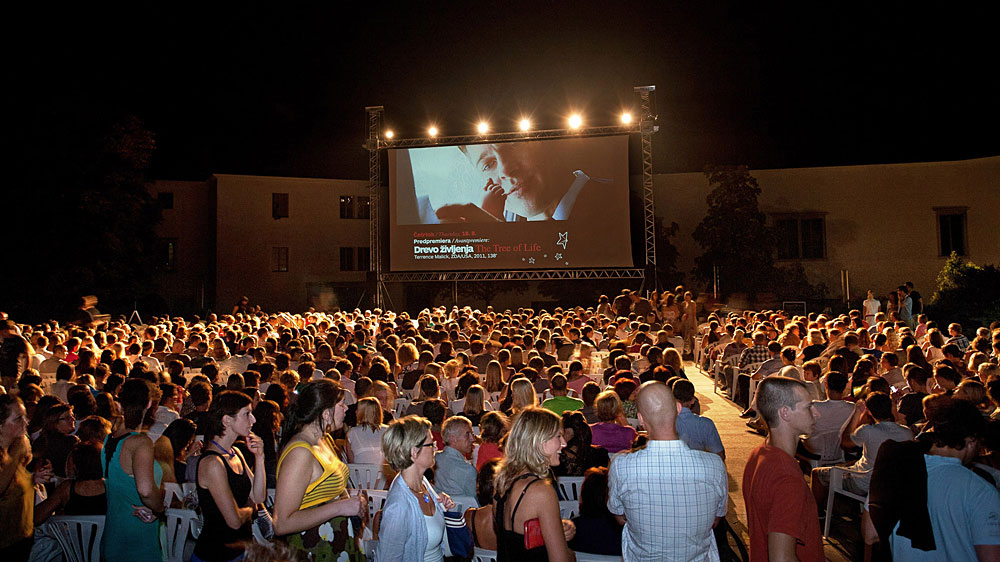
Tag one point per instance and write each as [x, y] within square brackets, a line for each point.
[513, 167]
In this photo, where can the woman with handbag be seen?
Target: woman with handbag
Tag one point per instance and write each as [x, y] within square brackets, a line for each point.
[228, 491]
[311, 507]
[526, 508]
[413, 525]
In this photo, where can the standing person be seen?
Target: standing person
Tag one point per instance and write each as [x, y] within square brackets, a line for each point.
[905, 306]
[871, 308]
[17, 498]
[132, 478]
[228, 490]
[781, 512]
[525, 499]
[668, 496]
[310, 503]
[689, 320]
[412, 526]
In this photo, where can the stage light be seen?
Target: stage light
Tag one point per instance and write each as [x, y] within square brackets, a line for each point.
[626, 118]
[575, 121]
[483, 127]
[388, 134]
[525, 124]
[432, 131]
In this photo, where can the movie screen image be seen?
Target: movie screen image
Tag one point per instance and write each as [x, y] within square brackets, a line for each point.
[538, 204]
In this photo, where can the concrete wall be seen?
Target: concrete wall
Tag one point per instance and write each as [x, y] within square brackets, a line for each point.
[313, 233]
[190, 286]
[880, 219]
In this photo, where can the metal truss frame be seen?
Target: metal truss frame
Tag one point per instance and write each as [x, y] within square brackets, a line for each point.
[510, 137]
[519, 275]
[647, 126]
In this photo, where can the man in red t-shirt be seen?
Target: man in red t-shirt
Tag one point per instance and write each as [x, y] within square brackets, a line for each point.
[781, 511]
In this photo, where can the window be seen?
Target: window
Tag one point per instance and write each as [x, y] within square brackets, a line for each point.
[279, 205]
[346, 207]
[168, 254]
[364, 208]
[800, 237]
[364, 259]
[279, 258]
[951, 230]
[165, 199]
[347, 259]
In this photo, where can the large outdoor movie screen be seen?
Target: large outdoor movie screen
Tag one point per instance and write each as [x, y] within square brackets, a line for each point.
[544, 204]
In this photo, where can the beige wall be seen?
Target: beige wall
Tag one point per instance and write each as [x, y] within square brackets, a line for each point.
[313, 232]
[189, 287]
[880, 219]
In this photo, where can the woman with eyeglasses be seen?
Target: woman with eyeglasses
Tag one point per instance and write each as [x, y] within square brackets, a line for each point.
[412, 528]
[311, 506]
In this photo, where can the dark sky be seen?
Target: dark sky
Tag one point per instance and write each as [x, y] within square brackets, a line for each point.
[282, 91]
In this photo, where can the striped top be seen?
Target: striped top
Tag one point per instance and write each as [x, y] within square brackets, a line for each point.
[332, 483]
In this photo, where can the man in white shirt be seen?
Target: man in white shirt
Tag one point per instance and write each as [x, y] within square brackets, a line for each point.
[668, 496]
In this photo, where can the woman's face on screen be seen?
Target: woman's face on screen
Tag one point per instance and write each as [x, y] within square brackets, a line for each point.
[512, 167]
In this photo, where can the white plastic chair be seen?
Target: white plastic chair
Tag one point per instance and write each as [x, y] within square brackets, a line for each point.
[570, 486]
[837, 487]
[171, 491]
[269, 501]
[366, 476]
[483, 555]
[464, 502]
[376, 500]
[827, 446]
[569, 509]
[79, 536]
[180, 523]
[634, 422]
[401, 405]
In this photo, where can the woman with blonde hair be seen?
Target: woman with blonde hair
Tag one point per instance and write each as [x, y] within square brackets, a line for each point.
[526, 502]
[494, 379]
[475, 404]
[672, 358]
[523, 395]
[364, 441]
[449, 378]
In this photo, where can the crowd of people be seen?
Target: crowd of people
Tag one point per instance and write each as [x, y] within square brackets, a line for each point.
[457, 403]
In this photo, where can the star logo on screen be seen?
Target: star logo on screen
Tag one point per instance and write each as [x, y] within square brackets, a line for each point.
[563, 239]
[558, 256]
[531, 260]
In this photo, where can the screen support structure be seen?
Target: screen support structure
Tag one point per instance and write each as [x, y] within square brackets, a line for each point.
[375, 143]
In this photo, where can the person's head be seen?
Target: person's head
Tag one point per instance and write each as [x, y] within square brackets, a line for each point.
[484, 482]
[683, 391]
[513, 167]
[434, 410]
[86, 459]
[955, 425]
[475, 400]
[134, 397]
[576, 431]
[594, 493]
[523, 394]
[181, 434]
[785, 404]
[608, 406]
[93, 429]
[558, 385]
[230, 415]
[369, 413]
[320, 403]
[879, 405]
[533, 445]
[589, 393]
[457, 434]
[429, 387]
[408, 440]
[13, 418]
[916, 376]
[946, 376]
[972, 391]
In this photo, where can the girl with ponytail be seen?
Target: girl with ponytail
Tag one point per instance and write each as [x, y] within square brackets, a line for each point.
[311, 506]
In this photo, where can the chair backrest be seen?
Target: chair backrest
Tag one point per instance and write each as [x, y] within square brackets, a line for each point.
[401, 405]
[171, 491]
[569, 509]
[376, 500]
[269, 500]
[179, 525]
[569, 486]
[79, 536]
[366, 476]
[483, 555]
[827, 445]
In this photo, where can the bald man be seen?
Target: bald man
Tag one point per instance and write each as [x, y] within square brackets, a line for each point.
[668, 496]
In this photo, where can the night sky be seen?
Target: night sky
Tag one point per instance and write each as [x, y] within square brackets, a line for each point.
[245, 90]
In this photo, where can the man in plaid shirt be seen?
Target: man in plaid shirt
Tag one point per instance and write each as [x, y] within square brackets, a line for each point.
[754, 355]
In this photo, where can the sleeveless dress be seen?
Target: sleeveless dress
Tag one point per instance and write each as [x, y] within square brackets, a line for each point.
[510, 544]
[126, 537]
[216, 535]
[330, 540]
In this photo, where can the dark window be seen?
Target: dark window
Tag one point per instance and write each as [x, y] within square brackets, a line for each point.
[346, 207]
[800, 237]
[951, 230]
[279, 258]
[364, 259]
[347, 259]
[279, 205]
[165, 199]
[168, 253]
[364, 208]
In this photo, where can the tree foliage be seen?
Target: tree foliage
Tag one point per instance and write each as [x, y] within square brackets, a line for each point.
[966, 293]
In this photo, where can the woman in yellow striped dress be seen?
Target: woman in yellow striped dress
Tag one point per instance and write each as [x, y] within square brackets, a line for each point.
[311, 508]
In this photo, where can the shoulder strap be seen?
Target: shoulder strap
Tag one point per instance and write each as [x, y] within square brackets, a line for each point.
[521, 497]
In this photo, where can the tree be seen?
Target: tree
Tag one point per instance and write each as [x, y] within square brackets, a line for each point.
[734, 233]
[966, 293]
